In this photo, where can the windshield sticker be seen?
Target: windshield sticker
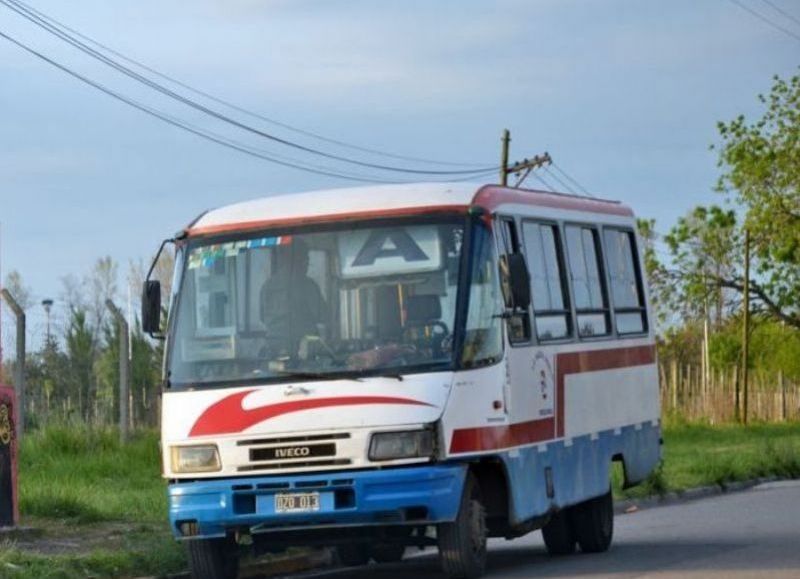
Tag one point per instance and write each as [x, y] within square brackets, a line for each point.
[390, 251]
[206, 256]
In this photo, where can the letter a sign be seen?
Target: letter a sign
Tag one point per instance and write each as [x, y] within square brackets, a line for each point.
[390, 250]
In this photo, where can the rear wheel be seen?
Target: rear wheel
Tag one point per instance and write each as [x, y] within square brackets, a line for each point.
[213, 558]
[388, 553]
[592, 522]
[558, 535]
[462, 543]
[353, 555]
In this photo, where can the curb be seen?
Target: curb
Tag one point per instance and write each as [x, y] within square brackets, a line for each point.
[281, 565]
[627, 506]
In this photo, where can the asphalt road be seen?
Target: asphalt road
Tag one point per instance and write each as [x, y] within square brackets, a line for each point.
[753, 533]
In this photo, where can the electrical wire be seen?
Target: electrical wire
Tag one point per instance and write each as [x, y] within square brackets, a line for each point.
[572, 180]
[765, 19]
[780, 10]
[559, 180]
[544, 182]
[30, 16]
[185, 126]
[234, 106]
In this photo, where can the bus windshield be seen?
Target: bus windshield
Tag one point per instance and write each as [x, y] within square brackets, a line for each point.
[339, 301]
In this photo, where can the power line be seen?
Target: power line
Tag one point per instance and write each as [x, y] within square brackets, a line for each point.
[183, 125]
[780, 10]
[544, 182]
[234, 106]
[766, 20]
[572, 180]
[22, 10]
[559, 180]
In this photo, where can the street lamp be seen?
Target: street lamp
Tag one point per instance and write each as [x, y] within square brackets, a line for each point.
[47, 304]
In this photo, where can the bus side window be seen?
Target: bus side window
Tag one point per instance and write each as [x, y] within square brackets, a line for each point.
[519, 324]
[627, 291]
[585, 268]
[551, 312]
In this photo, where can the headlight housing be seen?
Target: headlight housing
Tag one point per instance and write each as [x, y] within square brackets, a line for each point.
[196, 458]
[405, 444]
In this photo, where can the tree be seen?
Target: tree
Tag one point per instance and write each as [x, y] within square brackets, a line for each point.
[80, 341]
[761, 162]
[21, 292]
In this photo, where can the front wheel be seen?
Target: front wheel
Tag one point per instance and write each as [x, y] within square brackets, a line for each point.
[593, 523]
[462, 543]
[213, 558]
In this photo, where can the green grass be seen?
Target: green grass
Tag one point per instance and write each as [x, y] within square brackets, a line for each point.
[85, 476]
[700, 454]
[80, 482]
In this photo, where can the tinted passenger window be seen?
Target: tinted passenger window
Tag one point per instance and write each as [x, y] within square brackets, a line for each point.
[626, 282]
[550, 302]
[519, 324]
[591, 304]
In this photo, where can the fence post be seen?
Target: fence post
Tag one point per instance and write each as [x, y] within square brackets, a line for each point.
[782, 384]
[19, 373]
[124, 370]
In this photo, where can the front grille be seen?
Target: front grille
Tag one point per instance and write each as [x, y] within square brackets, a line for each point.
[293, 464]
[288, 439]
[286, 452]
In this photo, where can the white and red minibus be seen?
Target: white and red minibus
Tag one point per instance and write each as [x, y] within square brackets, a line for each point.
[407, 365]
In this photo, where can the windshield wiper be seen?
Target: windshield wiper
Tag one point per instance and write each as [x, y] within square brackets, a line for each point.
[315, 375]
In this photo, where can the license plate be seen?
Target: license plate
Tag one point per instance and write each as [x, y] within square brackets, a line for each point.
[296, 502]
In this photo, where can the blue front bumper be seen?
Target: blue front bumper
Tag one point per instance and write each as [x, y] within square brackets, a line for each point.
[424, 495]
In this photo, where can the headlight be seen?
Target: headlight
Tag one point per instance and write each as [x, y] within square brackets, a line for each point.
[199, 458]
[408, 444]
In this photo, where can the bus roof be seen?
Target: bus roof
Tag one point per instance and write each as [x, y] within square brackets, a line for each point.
[386, 201]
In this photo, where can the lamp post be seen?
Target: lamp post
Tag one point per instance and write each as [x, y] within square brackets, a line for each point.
[47, 304]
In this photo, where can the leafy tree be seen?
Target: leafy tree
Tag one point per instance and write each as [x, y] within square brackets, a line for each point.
[761, 162]
[80, 341]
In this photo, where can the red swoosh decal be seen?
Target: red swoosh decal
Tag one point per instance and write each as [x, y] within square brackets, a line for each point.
[227, 416]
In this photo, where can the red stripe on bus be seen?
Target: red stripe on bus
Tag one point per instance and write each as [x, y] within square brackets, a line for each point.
[227, 416]
[533, 431]
[491, 197]
[328, 218]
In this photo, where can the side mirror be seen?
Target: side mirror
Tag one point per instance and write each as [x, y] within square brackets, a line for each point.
[516, 281]
[151, 307]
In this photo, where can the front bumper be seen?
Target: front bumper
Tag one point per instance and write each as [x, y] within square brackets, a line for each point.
[407, 495]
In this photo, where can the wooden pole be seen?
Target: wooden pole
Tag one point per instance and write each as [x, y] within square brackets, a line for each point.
[504, 158]
[746, 325]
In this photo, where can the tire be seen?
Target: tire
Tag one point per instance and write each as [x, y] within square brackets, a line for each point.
[558, 535]
[353, 555]
[462, 543]
[388, 553]
[213, 558]
[593, 523]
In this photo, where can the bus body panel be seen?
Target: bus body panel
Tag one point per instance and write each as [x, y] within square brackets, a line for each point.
[554, 415]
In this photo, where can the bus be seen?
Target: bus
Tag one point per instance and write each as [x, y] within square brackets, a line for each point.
[417, 365]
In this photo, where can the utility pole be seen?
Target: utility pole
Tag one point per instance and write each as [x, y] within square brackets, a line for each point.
[746, 322]
[504, 158]
[47, 304]
[525, 166]
[124, 370]
[19, 371]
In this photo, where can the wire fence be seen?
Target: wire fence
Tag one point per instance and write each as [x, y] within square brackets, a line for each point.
[689, 392]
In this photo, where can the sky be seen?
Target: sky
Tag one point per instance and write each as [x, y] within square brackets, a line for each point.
[625, 95]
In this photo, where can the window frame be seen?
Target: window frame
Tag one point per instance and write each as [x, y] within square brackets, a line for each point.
[524, 314]
[642, 309]
[566, 292]
[599, 248]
